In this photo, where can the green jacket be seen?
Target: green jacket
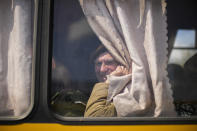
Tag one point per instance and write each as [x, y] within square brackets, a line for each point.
[96, 106]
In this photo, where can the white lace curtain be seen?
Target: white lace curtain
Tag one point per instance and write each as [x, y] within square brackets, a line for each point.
[134, 31]
[15, 56]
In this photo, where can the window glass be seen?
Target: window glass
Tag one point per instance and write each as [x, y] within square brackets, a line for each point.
[182, 72]
[180, 56]
[17, 27]
[72, 72]
[185, 39]
[92, 57]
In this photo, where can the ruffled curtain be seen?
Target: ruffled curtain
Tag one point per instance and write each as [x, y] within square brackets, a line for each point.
[15, 56]
[134, 32]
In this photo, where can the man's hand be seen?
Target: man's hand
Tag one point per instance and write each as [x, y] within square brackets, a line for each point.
[120, 71]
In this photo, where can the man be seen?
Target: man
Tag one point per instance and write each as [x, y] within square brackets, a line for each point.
[105, 65]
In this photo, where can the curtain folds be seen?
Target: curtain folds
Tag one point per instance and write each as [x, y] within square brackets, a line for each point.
[134, 32]
[15, 56]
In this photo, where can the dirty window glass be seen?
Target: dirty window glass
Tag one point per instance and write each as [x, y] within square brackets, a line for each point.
[17, 26]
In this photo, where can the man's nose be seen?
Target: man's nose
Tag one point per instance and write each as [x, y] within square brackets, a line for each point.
[103, 68]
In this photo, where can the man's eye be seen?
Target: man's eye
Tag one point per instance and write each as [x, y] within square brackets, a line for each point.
[110, 62]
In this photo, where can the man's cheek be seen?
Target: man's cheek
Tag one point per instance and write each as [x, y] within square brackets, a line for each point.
[109, 71]
[113, 68]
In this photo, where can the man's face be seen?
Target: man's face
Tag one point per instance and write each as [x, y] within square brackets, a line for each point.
[104, 65]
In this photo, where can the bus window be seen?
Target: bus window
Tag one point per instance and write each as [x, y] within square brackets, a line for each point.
[182, 72]
[17, 42]
[94, 44]
[185, 39]
[184, 47]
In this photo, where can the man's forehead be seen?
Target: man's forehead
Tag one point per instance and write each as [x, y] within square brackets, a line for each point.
[104, 56]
